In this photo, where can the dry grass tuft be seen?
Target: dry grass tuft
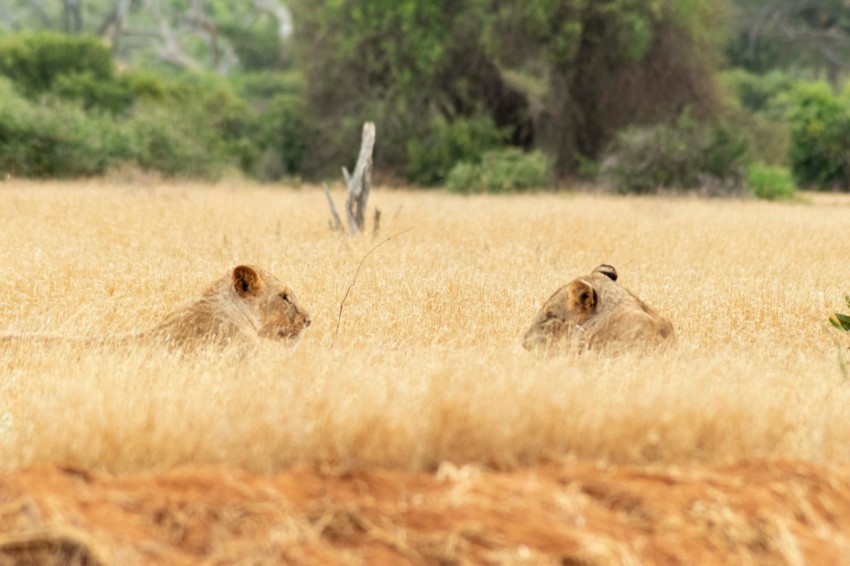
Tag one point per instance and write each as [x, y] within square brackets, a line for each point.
[427, 366]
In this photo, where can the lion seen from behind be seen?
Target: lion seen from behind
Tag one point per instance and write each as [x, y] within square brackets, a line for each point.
[594, 312]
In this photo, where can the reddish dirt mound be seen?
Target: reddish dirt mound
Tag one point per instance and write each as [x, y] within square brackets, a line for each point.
[580, 513]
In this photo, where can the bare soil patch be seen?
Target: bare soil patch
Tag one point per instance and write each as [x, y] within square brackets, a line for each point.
[567, 513]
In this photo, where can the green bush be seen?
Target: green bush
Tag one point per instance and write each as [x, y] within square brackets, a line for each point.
[820, 135]
[198, 127]
[56, 139]
[115, 95]
[759, 93]
[448, 143]
[280, 137]
[93, 93]
[168, 141]
[145, 85]
[757, 107]
[725, 155]
[770, 183]
[501, 171]
[685, 155]
[465, 178]
[34, 61]
[276, 145]
[643, 160]
[767, 139]
[189, 127]
[75, 117]
[210, 100]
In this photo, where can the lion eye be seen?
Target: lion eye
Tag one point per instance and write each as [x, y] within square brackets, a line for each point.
[285, 297]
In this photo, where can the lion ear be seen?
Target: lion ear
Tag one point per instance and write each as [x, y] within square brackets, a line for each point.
[583, 297]
[607, 270]
[246, 281]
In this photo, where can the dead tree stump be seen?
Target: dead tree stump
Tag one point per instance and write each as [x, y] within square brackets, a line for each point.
[357, 184]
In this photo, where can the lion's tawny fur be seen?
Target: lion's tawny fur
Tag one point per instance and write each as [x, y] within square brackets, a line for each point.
[243, 306]
[594, 312]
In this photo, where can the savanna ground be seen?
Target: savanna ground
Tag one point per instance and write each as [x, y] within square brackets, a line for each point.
[411, 426]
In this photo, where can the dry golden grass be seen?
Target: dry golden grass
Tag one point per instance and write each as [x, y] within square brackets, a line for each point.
[427, 365]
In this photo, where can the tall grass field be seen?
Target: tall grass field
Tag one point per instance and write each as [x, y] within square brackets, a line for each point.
[422, 362]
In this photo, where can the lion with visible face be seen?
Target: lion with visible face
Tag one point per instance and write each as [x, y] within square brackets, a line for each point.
[242, 307]
[595, 313]
[246, 304]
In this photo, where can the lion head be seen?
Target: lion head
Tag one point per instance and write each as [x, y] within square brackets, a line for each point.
[565, 311]
[272, 303]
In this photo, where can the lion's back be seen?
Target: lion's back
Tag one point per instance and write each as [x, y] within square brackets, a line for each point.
[213, 319]
[627, 322]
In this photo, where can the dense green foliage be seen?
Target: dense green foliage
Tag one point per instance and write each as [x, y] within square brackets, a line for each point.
[770, 182]
[57, 138]
[60, 118]
[759, 93]
[501, 171]
[635, 90]
[448, 143]
[756, 104]
[278, 130]
[54, 140]
[819, 121]
[559, 76]
[810, 37]
[34, 61]
[683, 155]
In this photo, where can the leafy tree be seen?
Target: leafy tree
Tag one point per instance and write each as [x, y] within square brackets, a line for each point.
[604, 64]
[221, 35]
[279, 129]
[559, 75]
[759, 92]
[809, 37]
[400, 64]
[820, 135]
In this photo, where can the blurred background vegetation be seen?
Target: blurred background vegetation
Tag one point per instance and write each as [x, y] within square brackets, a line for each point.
[716, 96]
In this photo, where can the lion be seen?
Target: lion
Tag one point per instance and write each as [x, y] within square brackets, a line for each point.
[595, 312]
[244, 306]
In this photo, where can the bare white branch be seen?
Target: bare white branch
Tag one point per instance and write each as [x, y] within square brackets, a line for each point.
[361, 179]
[337, 223]
[358, 185]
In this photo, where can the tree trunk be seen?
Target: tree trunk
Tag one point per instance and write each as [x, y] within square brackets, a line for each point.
[360, 182]
[358, 185]
[72, 16]
[558, 125]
